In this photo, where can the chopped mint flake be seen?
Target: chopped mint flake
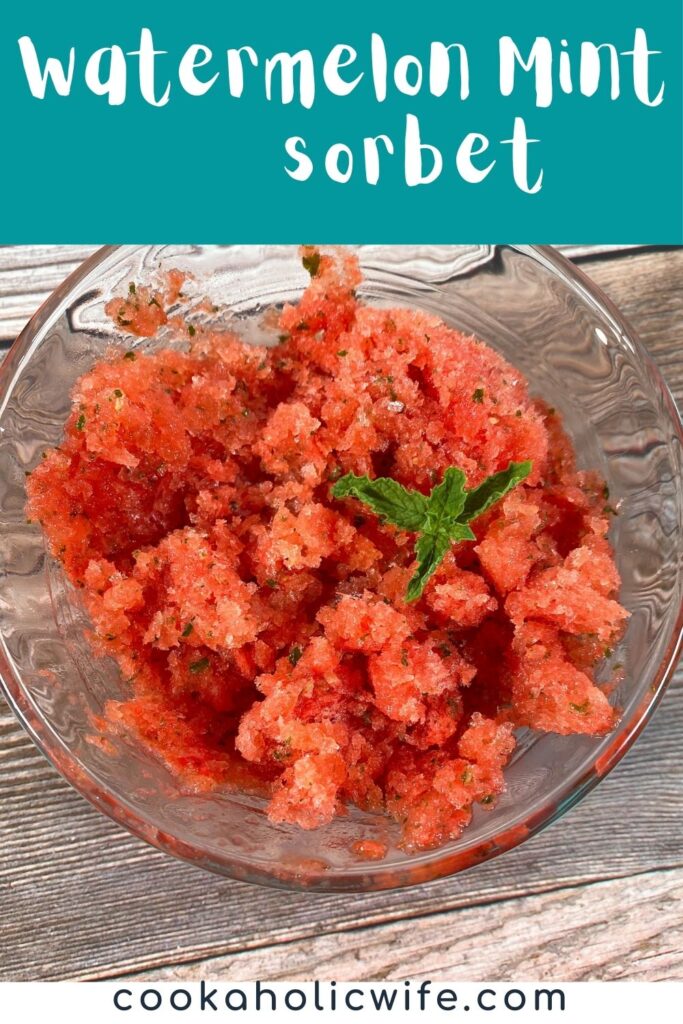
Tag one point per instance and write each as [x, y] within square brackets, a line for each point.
[199, 666]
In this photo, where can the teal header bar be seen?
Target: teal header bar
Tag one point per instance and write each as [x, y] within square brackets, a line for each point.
[442, 122]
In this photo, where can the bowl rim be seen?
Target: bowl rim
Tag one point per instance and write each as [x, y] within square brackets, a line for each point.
[434, 864]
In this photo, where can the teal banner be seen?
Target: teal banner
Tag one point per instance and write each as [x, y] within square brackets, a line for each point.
[375, 121]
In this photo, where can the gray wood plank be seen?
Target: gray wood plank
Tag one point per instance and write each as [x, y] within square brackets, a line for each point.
[29, 273]
[648, 290]
[607, 931]
[82, 898]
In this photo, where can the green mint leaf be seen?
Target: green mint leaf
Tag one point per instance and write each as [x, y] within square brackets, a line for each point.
[495, 487]
[461, 531]
[441, 528]
[430, 550]
[388, 498]
[446, 501]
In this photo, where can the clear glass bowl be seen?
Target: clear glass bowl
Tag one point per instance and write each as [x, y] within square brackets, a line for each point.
[577, 352]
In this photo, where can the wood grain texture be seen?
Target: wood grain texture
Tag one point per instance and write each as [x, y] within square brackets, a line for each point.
[647, 288]
[81, 898]
[29, 273]
[607, 931]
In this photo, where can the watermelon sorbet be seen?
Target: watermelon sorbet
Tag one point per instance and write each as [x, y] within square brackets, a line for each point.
[340, 570]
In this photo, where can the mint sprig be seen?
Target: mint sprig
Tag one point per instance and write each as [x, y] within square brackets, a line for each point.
[439, 519]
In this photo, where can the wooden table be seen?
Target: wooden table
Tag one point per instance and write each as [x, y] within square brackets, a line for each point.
[597, 896]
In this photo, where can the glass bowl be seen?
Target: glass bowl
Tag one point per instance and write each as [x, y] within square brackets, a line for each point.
[546, 318]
